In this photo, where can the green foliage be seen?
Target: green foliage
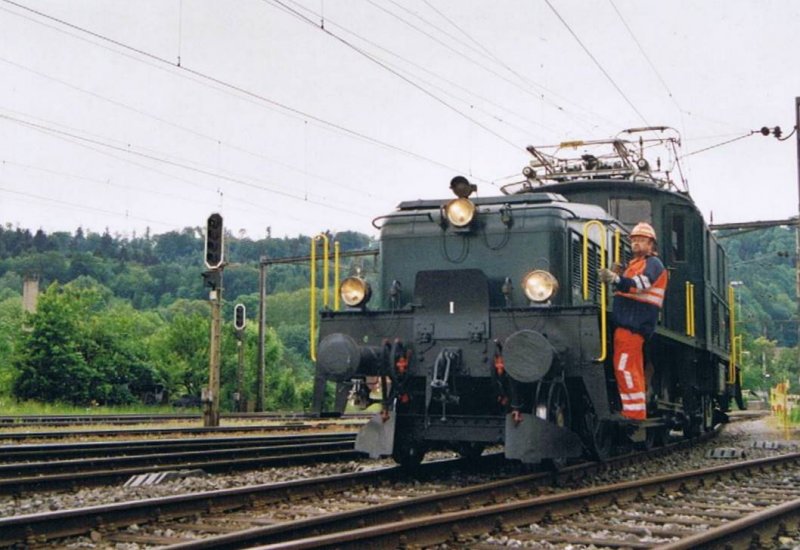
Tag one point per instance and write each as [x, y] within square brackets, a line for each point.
[11, 319]
[122, 315]
[80, 348]
[180, 353]
[764, 261]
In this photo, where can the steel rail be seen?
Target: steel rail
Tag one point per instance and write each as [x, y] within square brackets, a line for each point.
[21, 436]
[133, 418]
[453, 526]
[746, 532]
[333, 452]
[174, 459]
[51, 525]
[88, 449]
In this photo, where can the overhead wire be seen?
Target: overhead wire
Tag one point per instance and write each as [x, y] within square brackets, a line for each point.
[644, 54]
[596, 62]
[191, 131]
[436, 75]
[60, 202]
[510, 69]
[704, 149]
[228, 86]
[242, 203]
[373, 59]
[203, 171]
[538, 96]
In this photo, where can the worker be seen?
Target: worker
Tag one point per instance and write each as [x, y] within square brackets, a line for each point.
[638, 297]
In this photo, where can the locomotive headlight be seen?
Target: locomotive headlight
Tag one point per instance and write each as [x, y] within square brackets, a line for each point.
[460, 212]
[355, 291]
[539, 285]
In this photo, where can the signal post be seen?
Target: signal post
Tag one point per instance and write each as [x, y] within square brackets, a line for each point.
[239, 321]
[214, 260]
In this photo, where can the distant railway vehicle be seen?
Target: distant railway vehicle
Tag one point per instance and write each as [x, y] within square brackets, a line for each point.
[488, 323]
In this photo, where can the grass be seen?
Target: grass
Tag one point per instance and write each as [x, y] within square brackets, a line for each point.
[11, 407]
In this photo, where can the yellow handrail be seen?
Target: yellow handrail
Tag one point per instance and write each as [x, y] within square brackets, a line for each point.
[312, 301]
[325, 269]
[690, 311]
[336, 275]
[732, 313]
[617, 245]
[312, 308]
[585, 275]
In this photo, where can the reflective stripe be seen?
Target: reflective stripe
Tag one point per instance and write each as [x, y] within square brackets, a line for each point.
[623, 360]
[631, 407]
[628, 379]
[632, 396]
[643, 290]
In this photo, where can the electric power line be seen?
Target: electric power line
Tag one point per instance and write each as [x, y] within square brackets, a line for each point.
[596, 62]
[370, 57]
[232, 87]
[195, 169]
[191, 131]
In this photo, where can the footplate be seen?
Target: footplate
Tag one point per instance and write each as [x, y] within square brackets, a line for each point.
[534, 439]
[376, 437]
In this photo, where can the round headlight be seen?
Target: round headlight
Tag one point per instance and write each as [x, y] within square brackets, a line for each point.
[460, 212]
[355, 291]
[539, 285]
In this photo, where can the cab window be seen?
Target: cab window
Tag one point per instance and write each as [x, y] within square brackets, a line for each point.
[630, 211]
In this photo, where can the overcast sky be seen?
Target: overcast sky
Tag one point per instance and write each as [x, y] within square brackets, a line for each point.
[155, 113]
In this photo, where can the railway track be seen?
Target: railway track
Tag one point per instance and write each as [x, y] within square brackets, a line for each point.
[62, 465]
[82, 434]
[712, 507]
[242, 510]
[144, 418]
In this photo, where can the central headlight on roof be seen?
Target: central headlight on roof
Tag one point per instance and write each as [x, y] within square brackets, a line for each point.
[355, 291]
[460, 212]
[539, 285]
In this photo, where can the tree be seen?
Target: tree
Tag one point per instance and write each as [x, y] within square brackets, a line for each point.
[180, 352]
[84, 347]
[50, 365]
[11, 317]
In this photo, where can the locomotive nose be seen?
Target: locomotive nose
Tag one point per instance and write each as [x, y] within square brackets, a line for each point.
[528, 356]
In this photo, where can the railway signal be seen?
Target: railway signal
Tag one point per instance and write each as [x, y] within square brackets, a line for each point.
[214, 258]
[239, 318]
[215, 255]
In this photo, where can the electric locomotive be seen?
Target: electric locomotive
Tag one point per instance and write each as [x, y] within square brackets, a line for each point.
[488, 323]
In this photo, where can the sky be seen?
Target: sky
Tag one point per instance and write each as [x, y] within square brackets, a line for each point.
[298, 116]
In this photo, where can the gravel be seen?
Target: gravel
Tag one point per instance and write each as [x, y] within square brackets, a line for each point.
[738, 435]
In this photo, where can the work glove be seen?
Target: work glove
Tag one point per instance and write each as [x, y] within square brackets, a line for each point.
[607, 276]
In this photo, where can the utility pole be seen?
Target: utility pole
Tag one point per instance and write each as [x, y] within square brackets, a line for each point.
[262, 306]
[797, 225]
[215, 261]
[211, 398]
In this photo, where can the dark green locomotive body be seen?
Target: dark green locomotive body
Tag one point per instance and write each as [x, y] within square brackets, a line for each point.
[466, 358]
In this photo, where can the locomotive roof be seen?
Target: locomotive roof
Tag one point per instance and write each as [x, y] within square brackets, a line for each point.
[608, 186]
[579, 210]
[527, 198]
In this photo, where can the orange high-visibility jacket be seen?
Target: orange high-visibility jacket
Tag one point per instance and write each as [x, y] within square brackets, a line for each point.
[640, 294]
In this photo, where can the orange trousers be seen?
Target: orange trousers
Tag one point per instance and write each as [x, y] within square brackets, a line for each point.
[629, 372]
